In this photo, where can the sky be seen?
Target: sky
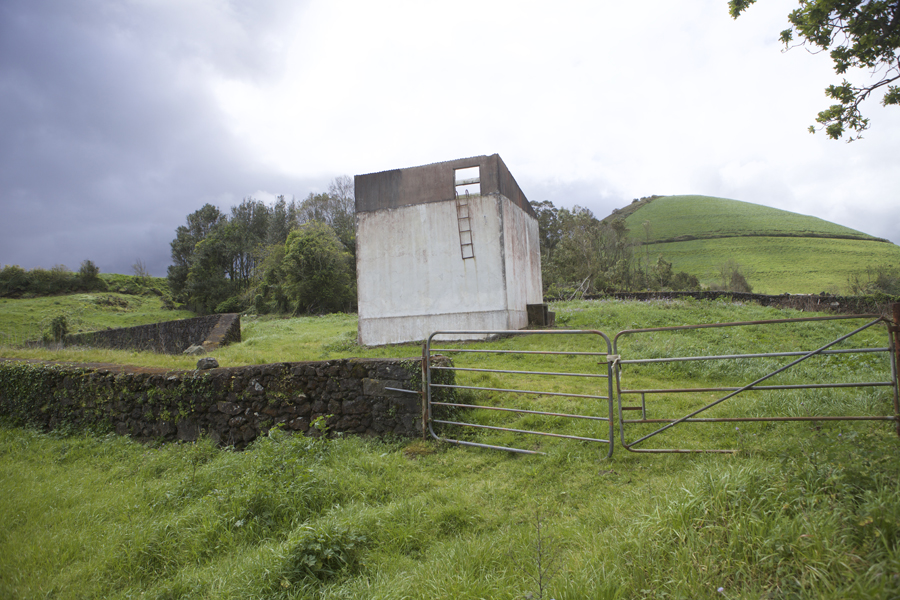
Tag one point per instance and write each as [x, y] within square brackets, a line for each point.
[118, 118]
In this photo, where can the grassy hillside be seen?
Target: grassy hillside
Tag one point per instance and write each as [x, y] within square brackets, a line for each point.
[26, 319]
[801, 511]
[779, 251]
[678, 217]
[778, 265]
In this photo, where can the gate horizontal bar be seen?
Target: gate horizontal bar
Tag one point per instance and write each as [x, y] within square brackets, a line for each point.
[544, 433]
[487, 389]
[520, 352]
[489, 446]
[521, 410]
[798, 386]
[740, 323]
[519, 372]
[740, 419]
[637, 361]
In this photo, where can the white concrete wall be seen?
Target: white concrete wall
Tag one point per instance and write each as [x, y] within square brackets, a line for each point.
[412, 279]
[522, 257]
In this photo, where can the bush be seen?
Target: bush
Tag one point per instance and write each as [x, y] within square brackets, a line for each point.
[230, 305]
[59, 328]
[323, 552]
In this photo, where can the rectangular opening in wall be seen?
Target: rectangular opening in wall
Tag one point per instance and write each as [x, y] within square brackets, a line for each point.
[468, 180]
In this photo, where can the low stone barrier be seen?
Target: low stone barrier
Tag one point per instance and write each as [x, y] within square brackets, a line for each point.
[168, 337]
[879, 304]
[231, 405]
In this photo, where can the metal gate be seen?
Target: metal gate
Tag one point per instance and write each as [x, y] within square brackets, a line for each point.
[588, 392]
[584, 374]
[798, 357]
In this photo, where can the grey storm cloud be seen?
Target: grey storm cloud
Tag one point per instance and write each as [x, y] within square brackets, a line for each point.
[110, 133]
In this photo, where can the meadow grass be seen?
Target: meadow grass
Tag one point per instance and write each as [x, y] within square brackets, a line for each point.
[26, 319]
[775, 265]
[802, 510]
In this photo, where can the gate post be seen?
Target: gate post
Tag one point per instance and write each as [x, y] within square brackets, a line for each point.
[895, 307]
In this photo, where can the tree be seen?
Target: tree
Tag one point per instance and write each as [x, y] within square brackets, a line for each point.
[140, 270]
[862, 34]
[318, 273]
[199, 224]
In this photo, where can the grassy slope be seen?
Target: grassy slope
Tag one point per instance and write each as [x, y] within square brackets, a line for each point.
[778, 265]
[809, 260]
[801, 511]
[704, 216]
[24, 319]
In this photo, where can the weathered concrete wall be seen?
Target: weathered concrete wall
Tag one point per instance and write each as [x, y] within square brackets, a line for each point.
[169, 337]
[231, 405]
[434, 183]
[522, 257]
[412, 278]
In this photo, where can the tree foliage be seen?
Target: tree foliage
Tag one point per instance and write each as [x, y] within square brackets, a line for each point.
[857, 34]
[231, 261]
[581, 255]
[318, 270]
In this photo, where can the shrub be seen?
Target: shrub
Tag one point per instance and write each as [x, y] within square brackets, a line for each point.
[59, 328]
[230, 305]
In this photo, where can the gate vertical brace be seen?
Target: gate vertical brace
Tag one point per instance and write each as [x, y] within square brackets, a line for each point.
[895, 362]
[426, 412]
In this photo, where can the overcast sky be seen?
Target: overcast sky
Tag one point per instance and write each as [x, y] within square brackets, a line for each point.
[118, 118]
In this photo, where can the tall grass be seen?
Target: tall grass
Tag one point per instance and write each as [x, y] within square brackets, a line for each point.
[802, 510]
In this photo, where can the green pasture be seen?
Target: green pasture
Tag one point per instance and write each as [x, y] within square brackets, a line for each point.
[775, 265]
[801, 510]
[26, 319]
[704, 216]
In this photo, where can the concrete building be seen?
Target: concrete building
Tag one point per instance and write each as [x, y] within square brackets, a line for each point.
[446, 246]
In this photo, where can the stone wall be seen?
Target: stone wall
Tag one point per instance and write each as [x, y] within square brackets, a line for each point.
[806, 302]
[231, 405]
[169, 337]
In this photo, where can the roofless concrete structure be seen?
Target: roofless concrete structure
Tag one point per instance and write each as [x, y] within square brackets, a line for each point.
[446, 246]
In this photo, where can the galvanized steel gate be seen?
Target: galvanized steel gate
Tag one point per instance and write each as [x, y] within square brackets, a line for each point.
[601, 372]
[611, 370]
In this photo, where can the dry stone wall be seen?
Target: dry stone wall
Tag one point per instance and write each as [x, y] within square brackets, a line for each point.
[169, 337]
[231, 405]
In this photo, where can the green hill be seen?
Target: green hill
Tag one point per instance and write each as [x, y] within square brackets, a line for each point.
[779, 251]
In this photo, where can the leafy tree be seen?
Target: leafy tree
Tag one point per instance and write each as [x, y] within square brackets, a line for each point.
[548, 228]
[88, 272]
[337, 209]
[13, 281]
[281, 220]
[318, 273]
[862, 34]
[199, 224]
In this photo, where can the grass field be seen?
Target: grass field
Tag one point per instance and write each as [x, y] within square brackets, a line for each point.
[778, 251]
[802, 510]
[27, 319]
[778, 265]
